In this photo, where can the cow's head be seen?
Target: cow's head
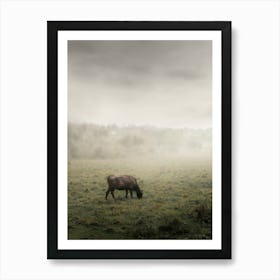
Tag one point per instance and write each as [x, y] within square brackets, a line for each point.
[139, 194]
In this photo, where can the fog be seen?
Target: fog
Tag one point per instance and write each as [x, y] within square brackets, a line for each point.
[156, 83]
[139, 98]
[89, 141]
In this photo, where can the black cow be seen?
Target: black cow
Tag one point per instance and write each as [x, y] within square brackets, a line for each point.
[126, 182]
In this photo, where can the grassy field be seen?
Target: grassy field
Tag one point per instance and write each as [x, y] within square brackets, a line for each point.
[176, 203]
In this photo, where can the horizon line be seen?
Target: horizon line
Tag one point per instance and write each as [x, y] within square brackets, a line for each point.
[137, 125]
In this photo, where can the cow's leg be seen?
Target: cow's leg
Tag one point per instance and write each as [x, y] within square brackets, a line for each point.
[131, 193]
[112, 193]
[107, 194]
[126, 193]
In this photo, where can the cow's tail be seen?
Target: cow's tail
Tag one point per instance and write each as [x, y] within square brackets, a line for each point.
[109, 181]
[109, 178]
[108, 189]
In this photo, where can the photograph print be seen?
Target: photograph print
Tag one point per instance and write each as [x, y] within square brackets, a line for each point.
[140, 144]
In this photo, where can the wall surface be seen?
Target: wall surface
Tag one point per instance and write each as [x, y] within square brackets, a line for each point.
[255, 150]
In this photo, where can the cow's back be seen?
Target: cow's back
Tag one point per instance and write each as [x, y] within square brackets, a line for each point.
[122, 182]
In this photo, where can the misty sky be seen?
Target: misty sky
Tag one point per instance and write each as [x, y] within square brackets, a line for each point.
[160, 83]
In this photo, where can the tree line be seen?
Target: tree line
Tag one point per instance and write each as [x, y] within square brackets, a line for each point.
[92, 141]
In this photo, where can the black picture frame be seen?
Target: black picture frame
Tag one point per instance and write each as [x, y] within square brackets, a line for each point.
[52, 101]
